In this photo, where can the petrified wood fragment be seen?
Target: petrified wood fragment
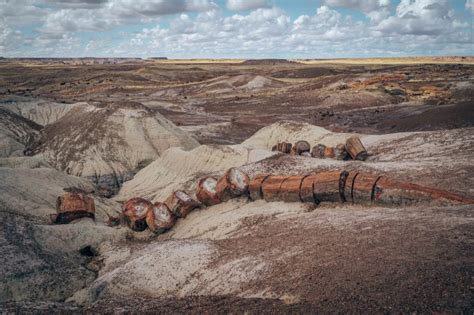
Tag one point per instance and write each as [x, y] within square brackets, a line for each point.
[326, 186]
[349, 182]
[72, 206]
[271, 187]
[340, 152]
[307, 189]
[356, 149]
[160, 218]
[180, 203]
[206, 191]
[302, 146]
[134, 212]
[233, 183]
[329, 152]
[318, 151]
[255, 186]
[290, 189]
[363, 187]
[284, 147]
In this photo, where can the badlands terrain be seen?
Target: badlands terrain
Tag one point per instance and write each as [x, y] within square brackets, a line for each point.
[145, 128]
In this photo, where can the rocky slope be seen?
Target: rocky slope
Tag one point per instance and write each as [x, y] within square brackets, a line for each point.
[16, 133]
[108, 142]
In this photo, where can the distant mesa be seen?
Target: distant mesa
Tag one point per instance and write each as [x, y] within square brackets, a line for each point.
[158, 58]
[267, 61]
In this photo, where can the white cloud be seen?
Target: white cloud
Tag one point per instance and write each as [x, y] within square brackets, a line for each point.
[362, 5]
[238, 5]
[470, 5]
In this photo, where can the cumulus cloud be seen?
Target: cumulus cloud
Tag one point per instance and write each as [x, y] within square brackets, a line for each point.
[239, 5]
[470, 5]
[362, 5]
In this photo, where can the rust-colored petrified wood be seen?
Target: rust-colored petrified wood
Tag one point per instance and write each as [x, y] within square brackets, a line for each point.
[160, 218]
[391, 192]
[233, 183]
[284, 147]
[356, 149]
[134, 213]
[271, 187]
[329, 152]
[180, 203]
[326, 186]
[307, 188]
[348, 183]
[340, 152]
[206, 191]
[318, 151]
[290, 189]
[302, 146]
[255, 186]
[72, 206]
[362, 188]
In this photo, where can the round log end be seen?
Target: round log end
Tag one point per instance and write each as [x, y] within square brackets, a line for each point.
[206, 191]
[180, 203]
[134, 212]
[160, 219]
[302, 146]
[356, 149]
[318, 151]
[233, 183]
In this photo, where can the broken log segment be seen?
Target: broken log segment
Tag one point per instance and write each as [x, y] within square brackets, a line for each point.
[134, 213]
[349, 182]
[318, 151]
[284, 147]
[232, 184]
[356, 149]
[206, 191]
[255, 186]
[302, 146]
[180, 203]
[271, 187]
[391, 192]
[340, 152]
[307, 189]
[290, 189]
[73, 205]
[363, 187]
[326, 186]
[160, 218]
[329, 152]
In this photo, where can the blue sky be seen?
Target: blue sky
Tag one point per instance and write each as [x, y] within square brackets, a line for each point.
[235, 28]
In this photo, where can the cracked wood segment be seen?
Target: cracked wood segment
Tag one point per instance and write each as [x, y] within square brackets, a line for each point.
[306, 189]
[134, 213]
[348, 186]
[284, 147]
[302, 146]
[233, 183]
[73, 205]
[160, 218]
[206, 191]
[255, 186]
[356, 149]
[180, 203]
[329, 152]
[271, 187]
[340, 152]
[290, 189]
[318, 151]
[391, 192]
[363, 187]
[326, 186]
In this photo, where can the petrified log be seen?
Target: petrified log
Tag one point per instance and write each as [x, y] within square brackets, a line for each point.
[134, 213]
[160, 218]
[306, 154]
[302, 146]
[72, 206]
[326, 186]
[271, 187]
[255, 186]
[180, 203]
[284, 147]
[318, 151]
[206, 191]
[363, 187]
[307, 189]
[329, 152]
[233, 183]
[391, 192]
[290, 189]
[356, 149]
[349, 183]
[340, 152]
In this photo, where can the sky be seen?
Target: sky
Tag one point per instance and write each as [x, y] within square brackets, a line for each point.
[236, 28]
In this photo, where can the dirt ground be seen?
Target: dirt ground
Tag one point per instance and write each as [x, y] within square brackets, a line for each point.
[241, 256]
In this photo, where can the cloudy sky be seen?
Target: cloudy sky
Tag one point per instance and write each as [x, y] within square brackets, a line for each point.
[235, 28]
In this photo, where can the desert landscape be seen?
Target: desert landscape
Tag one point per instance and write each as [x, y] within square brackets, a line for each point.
[268, 185]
